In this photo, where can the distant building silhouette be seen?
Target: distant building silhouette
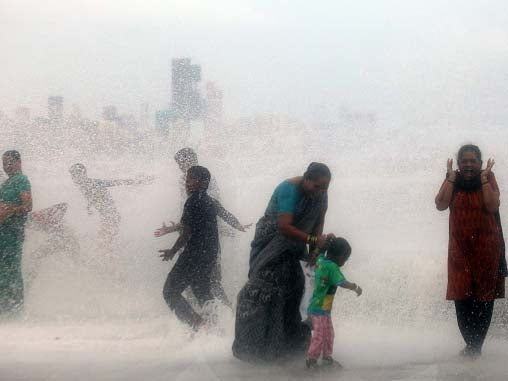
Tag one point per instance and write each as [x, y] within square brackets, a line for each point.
[109, 113]
[55, 108]
[186, 101]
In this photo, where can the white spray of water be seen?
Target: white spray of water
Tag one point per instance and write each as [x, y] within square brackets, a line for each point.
[108, 310]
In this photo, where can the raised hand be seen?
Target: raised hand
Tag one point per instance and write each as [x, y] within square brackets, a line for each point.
[486, 172]
[449, 167]
[450, 173]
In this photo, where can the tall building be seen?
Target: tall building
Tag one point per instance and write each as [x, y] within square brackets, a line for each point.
[55, 109]
[109, 113]
[186, 101]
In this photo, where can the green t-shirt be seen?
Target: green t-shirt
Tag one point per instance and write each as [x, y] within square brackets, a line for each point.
[327, 278]
[10, 193]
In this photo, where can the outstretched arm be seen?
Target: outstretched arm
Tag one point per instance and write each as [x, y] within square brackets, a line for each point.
[167, 229]
[229, 218]
[116, 183]
[120, 182]
[351, 286]
[180, 242]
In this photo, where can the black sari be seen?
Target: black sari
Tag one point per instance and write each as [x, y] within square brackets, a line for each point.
[268, 321]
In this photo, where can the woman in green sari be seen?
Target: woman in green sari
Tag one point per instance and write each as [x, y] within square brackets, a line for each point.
[15, 203]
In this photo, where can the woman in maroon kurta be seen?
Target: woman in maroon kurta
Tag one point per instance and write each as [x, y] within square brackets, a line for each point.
[476, 261]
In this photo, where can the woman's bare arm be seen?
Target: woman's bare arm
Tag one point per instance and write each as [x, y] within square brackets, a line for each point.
[444, 196]
[490, 189]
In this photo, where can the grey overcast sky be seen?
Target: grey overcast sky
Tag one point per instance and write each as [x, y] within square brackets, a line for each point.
[435, 59]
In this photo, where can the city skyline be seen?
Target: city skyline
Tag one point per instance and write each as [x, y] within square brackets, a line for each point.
[432, 62]
[186, 101]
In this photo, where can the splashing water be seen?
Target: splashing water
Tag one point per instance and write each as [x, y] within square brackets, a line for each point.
[96, 315]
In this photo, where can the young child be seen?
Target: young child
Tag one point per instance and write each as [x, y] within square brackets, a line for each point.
[327, 278]
[199, 237]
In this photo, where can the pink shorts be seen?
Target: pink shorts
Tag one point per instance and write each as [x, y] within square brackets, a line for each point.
[323, 335]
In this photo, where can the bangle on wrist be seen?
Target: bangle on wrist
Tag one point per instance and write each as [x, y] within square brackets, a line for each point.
[485, 182]
[450, 181]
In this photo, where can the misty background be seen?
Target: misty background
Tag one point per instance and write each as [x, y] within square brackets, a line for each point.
[432, 61]
[384, 92]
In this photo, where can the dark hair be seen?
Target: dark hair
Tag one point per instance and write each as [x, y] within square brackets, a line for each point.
[469, 148]
[337, 247]
[316, 170]
[201, 174]
[186, 154]
[77, 168]
[13, 155]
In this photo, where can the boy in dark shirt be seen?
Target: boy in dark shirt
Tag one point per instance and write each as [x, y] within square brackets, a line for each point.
[199, 235]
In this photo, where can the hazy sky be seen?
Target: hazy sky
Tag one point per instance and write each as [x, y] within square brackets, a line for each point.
[432, 59]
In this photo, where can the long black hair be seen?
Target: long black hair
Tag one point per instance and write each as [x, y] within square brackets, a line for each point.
[316, 170]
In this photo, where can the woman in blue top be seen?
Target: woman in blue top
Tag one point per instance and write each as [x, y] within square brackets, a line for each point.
[268, 321]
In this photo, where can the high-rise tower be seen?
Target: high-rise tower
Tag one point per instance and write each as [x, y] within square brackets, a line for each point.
[55, 109]
[186, 101]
